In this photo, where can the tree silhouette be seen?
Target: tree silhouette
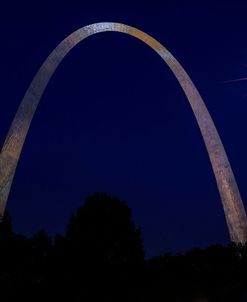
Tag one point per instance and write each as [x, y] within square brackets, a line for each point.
[101, 258]
[103, 228]
[103, 245]
[6, 230]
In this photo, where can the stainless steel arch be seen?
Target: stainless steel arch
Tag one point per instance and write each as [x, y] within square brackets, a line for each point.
[9, 156]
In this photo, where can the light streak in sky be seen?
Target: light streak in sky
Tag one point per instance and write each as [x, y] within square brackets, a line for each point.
[236, 80]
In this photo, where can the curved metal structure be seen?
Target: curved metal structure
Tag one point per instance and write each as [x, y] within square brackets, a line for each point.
[9, 156]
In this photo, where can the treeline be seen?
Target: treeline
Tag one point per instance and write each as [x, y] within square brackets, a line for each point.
[101, 258]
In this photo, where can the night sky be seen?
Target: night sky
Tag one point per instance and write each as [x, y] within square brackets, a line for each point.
[114, 118]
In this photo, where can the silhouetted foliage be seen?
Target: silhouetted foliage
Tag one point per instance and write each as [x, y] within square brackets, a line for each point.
[101, 258]
[103, 246]
[102, 229]
[6, 230]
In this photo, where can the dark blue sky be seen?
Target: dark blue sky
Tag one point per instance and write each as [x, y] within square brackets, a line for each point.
[114, 119]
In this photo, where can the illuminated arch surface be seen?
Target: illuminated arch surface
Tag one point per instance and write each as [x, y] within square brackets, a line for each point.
[9, 156]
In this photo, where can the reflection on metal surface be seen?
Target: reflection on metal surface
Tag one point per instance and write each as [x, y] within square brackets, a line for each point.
[230, 196]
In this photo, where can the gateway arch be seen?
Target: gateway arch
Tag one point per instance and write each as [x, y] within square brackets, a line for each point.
[10, 153]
